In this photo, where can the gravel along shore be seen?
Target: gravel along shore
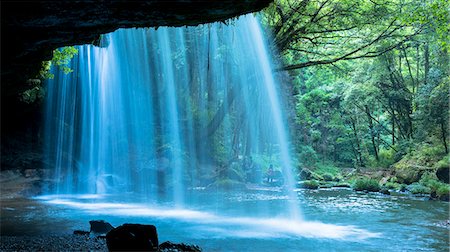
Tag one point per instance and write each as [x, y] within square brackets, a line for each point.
[52, 243]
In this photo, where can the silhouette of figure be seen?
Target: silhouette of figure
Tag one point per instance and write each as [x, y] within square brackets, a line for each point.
[270, 174]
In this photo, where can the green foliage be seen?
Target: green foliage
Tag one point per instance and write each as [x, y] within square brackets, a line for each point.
[387, 158]
[443, 163]
[327, 169]
[34, 93]
[371, 79]
[364, 184]
[443, 192]
[44, 73]
[436, 188]
[61, 59]
[417, 188]
[307, 156]
[393, 185]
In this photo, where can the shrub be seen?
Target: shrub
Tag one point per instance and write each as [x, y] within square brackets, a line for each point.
[308, 156]
[327, 168]
[438, 189]
[443, 192]
[393, 185]
[443, 163]
[370, 185]
[417, 188]
[386, 158]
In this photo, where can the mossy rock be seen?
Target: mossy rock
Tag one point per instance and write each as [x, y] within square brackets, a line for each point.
[407, 172]
[307, 174]
[343, 185]
[309, 184]
[327, 177]
[369, 185]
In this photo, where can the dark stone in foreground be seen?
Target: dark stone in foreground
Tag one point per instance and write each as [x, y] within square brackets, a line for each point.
[173, 247]
[385, 191]
[100, 227]
[133, 237]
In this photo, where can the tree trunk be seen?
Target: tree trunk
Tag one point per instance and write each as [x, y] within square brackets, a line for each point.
[222, 111]
[358, 145]
[372, 133]
[444, 136]
[427, 63]
[393, 127]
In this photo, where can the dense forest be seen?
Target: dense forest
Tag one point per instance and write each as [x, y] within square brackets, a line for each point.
[371, 80]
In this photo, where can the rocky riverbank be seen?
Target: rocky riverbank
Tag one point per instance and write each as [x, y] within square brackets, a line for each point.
[52, 243]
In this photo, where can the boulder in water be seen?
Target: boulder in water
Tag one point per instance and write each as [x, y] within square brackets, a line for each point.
[99, 227]
[133, 237]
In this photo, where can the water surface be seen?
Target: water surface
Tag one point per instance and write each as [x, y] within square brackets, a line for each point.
[336, 220]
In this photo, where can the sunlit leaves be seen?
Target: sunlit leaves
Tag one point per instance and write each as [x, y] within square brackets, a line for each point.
[61, 59]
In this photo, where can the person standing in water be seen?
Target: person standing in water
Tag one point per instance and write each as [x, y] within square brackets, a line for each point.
[270, 174]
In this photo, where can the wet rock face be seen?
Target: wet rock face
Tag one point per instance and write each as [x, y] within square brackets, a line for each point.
[32, 29]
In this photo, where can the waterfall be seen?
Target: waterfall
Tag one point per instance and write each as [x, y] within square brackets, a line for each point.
[154, 113]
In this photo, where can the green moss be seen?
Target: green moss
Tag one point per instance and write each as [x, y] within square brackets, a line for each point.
[326, 185]
[370, 185]
[343, 184]
[310, 184]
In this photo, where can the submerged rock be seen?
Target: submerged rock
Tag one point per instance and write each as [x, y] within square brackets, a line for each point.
[173, 247]
[99, 227]
[133, 237]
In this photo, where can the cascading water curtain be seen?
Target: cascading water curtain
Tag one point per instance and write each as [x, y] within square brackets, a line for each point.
[154, 112]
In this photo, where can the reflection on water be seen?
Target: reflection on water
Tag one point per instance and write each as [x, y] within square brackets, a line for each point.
[245, 227]
[338, 220]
